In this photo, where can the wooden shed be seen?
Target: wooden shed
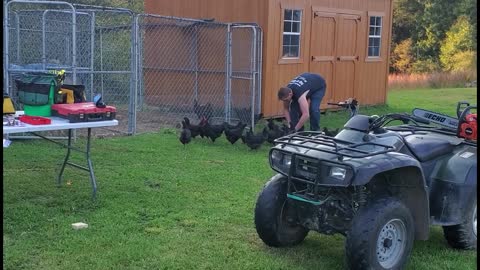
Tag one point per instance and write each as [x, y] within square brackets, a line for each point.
[346, 41]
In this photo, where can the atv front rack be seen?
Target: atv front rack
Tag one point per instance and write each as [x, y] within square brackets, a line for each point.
[346, 149]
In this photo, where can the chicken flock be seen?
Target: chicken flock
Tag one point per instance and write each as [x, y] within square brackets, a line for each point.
[233, 133]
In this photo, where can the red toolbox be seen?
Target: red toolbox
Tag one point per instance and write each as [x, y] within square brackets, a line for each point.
[83, 112]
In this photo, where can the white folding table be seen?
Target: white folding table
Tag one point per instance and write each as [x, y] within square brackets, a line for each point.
[63, 124]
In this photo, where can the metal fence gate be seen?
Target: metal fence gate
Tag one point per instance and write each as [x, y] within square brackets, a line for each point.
[194, 68]
[94, 45]
[154, 69]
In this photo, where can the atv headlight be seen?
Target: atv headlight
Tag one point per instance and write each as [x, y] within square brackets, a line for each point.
[338, 173]
[280, 161]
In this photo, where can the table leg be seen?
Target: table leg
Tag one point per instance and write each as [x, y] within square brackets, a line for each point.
[90, 166]
[87, 154]
[69, 148]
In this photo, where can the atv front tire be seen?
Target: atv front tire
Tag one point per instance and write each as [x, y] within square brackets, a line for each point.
[381, 236]
[464, 236]
[271, 216]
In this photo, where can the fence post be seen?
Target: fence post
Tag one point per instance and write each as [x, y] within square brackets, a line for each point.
[6, 65]
[139, 62]
[228, 73]
[92, 49]
[132, 110]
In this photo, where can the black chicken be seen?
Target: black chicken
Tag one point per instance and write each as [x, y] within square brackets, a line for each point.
[330, 133]
[244, 134]
[233, 133]
[274, 131]
[229, 126]
[254, 141]
[212, 131]
[195, 129]
[285, 129]
[270, 124]
[185, 134]
[202, 110]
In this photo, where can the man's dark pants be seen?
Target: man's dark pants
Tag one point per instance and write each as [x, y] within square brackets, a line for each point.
[314, 109]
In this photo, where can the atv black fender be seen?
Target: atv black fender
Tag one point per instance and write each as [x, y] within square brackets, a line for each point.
[453, 187]
[367, 168]
[402, 176]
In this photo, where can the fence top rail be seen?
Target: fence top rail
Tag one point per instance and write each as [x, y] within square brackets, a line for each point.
[9, 3]
[179, 18]
[72, 7]
[103, 8]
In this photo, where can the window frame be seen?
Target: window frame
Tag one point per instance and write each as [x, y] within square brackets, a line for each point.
[301, 39]
[380, 57]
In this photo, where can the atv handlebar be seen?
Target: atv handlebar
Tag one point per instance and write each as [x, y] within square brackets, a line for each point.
[387, 118]
[351, 102]
[459, 106]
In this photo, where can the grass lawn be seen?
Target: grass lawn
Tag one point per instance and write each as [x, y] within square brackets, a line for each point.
[164, 206]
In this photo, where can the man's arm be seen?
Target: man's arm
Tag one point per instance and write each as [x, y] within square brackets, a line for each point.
[302, 101]
[286, 111]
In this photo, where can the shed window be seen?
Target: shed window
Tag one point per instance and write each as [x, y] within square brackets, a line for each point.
[374, 36]
[292, 20]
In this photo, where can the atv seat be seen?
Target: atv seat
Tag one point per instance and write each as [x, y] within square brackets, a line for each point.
[426, 148]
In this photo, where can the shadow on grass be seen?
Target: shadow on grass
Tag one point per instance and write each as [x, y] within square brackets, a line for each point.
[327, 252]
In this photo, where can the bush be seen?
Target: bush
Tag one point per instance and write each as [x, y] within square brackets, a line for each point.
[402, 57]
[456, 52]
[425, 66]
[466, 60]
[407, 81]
[463, 78]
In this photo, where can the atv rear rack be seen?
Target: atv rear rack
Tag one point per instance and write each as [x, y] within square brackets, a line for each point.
[350, 150]
[439, 130]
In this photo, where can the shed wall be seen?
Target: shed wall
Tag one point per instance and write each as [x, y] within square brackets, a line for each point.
[366, 78]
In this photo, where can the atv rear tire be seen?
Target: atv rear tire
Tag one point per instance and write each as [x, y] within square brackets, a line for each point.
[464, 236]
[270, 216]
[381, 236]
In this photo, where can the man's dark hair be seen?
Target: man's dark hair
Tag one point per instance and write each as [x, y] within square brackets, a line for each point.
[283, 92]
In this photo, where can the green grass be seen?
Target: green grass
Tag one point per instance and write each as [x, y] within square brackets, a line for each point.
[164, 206]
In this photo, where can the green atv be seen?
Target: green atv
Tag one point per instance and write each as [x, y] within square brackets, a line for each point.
[381, 186]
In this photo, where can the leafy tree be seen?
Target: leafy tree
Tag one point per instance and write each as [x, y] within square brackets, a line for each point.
[405, 14]
[428, 65]
[456, 52]
[464, 61]
[426, 23]
[469, 9]
[402, 57]
[436, 19]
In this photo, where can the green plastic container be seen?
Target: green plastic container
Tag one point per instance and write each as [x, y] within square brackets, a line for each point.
[40, 110]
[36, 92]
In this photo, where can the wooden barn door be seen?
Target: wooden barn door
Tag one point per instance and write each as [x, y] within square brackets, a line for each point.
[346, 57]
[322, 48]
[334, 50]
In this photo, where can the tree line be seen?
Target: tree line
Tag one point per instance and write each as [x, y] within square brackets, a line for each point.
[433, 35]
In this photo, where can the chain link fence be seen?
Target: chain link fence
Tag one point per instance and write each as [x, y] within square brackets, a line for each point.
[154, 69]
[194, 68]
